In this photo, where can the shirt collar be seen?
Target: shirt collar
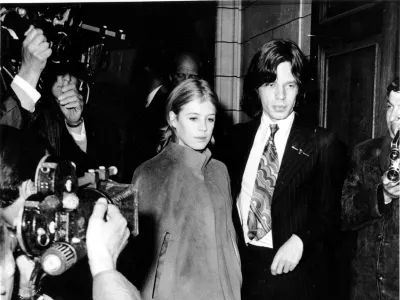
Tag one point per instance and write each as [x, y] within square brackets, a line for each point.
[284, 125]
[150, 97]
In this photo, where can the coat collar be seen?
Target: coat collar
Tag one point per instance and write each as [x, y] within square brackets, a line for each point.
[187, 156]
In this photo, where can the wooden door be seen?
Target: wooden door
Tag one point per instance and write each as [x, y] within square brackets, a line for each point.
[354, 51]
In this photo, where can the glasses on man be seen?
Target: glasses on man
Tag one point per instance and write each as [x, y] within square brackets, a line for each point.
[183, 76]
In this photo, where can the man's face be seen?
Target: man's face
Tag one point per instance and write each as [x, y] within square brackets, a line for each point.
[393, 113]
[187, 69]
[278, 98]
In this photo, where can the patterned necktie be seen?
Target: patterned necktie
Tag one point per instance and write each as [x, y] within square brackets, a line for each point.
[259, 221]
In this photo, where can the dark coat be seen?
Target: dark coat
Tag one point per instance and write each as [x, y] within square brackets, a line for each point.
[306, 197]
[190, 241]
[376, 263]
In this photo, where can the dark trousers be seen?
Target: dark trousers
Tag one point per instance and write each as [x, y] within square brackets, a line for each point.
[260, 284]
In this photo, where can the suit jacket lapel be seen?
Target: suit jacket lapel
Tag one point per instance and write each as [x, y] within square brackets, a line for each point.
[299, 149]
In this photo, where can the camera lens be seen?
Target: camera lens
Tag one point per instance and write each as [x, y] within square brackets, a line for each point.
[393, 175]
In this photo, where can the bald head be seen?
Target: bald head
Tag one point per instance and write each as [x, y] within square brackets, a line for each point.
[185, 66]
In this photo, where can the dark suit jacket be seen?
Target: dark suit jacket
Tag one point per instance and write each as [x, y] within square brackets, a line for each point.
[307, 193]
[145, 133]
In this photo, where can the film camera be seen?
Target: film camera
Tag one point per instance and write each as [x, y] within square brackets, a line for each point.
[394, 168]
[59, 24]
[54, 221]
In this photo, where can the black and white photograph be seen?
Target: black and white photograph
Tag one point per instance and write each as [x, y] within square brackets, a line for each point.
[199, 150]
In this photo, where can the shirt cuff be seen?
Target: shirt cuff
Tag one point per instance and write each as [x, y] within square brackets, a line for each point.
[27, 95]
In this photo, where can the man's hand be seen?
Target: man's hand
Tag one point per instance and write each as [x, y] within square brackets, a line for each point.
[288, 256]
[390, 189]
[69, 99]
[105, 239]
[35, 52]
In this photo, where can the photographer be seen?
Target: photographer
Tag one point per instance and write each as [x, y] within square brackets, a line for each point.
[370, 205]
[59, 114]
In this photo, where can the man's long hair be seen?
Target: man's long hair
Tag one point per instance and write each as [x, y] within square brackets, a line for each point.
[263, 70]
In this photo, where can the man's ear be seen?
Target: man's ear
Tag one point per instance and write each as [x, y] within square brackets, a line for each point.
[172, 119]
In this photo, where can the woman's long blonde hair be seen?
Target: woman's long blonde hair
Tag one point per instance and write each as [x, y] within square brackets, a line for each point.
[189, 90]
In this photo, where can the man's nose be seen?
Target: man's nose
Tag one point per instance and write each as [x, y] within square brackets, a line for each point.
[395, 115]
[280, 92]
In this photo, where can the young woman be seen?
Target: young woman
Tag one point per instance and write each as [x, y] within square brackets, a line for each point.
[186, 235]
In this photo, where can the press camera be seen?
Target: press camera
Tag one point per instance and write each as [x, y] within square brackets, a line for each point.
[53, 224]
[394, 168]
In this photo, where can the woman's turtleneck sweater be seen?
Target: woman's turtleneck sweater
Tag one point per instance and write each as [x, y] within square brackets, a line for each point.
[186, 234]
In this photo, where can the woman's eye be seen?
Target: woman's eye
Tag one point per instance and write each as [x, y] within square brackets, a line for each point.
[272, 84]
[211, 120]
[193, 118]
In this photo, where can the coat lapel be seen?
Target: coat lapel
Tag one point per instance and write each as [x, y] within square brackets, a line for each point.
[299, 149]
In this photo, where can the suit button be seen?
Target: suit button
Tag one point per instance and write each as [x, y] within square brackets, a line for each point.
[379, 237]
[380, 277]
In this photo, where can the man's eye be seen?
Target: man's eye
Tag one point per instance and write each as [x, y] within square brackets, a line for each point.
[193, 118]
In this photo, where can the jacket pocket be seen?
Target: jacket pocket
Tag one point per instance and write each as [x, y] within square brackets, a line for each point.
[235, 247]
[161, 262]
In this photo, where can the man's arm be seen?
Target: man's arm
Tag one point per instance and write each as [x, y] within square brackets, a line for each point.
[23, 94]
[105, 241]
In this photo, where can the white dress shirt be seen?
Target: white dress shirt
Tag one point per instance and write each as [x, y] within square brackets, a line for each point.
[27, 95]
[150, 97]
[250, 172]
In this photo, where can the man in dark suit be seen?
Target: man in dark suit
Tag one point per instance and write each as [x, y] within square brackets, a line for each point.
[286, 178]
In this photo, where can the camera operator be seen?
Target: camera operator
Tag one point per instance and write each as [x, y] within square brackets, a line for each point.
[20, 153]
[370, 205]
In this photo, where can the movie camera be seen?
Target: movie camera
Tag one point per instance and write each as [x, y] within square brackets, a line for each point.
[53, 224]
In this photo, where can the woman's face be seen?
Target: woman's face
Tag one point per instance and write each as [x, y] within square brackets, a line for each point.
[194, 124]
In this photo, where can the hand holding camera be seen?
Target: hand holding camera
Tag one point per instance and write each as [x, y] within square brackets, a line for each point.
[391, 178]
[107, 235]
[35, 52]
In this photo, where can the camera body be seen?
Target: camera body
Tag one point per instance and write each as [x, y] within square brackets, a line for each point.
[54, 221]
[394, 156]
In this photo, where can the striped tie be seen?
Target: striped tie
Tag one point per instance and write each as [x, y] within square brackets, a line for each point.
[259, 221]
